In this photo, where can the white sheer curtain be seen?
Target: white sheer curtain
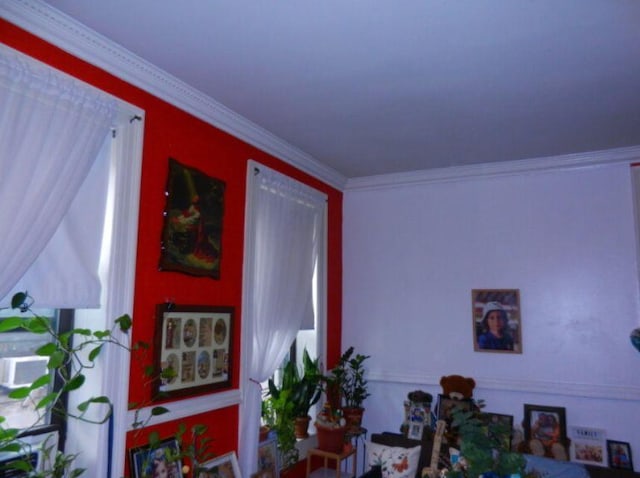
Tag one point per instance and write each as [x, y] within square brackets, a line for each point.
[284, 220]
[51, 130]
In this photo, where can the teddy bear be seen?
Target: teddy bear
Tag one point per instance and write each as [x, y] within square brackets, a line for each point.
[457, 386]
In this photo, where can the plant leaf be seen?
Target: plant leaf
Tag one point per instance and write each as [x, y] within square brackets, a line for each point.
[11, 323]
[95, 352]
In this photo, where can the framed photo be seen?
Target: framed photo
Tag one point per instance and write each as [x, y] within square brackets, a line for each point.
[547, 425]
[224, 466]
[268, 457]
[266, 473]
[619, 455]
[447, 405]
[499, 427]
[193, 348]
[192, 232]
[588, 445]
[496, 320]
[415, 430]
[163, 460]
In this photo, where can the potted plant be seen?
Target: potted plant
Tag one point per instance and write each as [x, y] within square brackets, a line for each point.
[353, 387]
[483, 447]
[287, 405]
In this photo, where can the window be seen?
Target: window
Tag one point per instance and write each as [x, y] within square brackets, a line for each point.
[20, 366]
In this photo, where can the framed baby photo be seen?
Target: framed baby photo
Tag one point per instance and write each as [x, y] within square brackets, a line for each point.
[619, 455]
[496, 320]
[161, 460]
[193, 347]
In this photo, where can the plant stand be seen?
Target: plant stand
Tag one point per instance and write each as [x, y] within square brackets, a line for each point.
[338, 460]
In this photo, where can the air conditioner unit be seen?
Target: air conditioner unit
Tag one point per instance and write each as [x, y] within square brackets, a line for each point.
[21, 371]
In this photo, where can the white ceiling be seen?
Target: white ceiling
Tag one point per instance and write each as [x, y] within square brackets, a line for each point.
[373, 87]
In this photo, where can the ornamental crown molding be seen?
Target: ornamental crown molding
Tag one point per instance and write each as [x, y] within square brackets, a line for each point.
[517, 167]
[70, 35]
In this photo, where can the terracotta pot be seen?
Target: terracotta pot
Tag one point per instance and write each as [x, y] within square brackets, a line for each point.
[330, 439]
[301, 426]
[354, 418]
[264, 432]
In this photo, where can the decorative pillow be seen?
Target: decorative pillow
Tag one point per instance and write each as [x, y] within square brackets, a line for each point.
[394, 462]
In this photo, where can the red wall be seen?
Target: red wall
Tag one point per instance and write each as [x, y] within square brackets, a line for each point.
[170, 132]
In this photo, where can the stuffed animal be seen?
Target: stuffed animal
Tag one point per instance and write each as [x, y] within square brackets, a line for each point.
[457, 386]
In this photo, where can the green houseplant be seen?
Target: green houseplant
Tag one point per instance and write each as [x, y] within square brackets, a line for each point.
[484, 447]
[286, 406]
[69, 356]
[353, 386]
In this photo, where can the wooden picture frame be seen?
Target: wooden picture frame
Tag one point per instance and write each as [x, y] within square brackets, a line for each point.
[223, 466]
[268, 456]
[619, 453]
[496, 320]
[144, 460]
[546, 424]
[193, 349]
[192, 231]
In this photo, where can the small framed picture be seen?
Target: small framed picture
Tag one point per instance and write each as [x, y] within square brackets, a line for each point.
[619, 455]
[588, 445]
[447, 405]
[496, 320]
[499, 427]
[415, 431]
[266, 473]
[268, 457]
[163, 460]
[193, 346]
[224, 466]
[546, 425]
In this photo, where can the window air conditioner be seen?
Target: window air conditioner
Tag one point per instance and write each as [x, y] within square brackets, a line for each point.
[21, 371]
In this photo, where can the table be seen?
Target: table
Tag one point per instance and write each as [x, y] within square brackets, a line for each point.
[335, 459]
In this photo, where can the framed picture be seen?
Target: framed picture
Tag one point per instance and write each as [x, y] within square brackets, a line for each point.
[499, 427]
[268, 457]
[415, 430]
[447, 405]
[588, 445]
[496, 320]
[192, 232]
[163, 460]
[224, 466]
[193, 346]
[547, 425]
[266, 473]
[619, 455]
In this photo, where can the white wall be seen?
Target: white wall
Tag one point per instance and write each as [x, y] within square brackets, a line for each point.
[564, 238]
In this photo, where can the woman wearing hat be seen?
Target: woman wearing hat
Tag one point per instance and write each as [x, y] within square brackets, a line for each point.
[495, 335]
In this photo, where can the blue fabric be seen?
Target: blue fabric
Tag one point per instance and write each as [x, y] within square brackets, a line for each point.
[550, 468]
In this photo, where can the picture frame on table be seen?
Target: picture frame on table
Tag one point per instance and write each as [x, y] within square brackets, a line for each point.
[496, 320]
[500, 425]
[446, 406]
[588, 445]
[193, 349]
[192, 229]
[268, 457]
[223, 466]
[619, 453]
[415, 430]
[164, 458]
[547, 425]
